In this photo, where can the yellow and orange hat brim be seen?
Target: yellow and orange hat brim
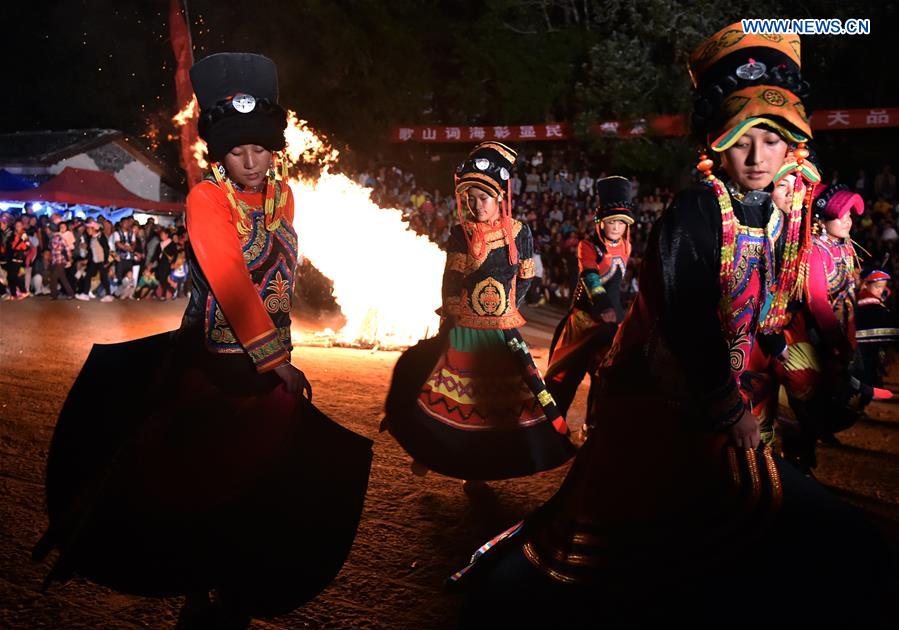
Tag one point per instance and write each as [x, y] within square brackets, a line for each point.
[732, 39]
[484, 182]
[776, 107]
[807, 170]
[624, 218]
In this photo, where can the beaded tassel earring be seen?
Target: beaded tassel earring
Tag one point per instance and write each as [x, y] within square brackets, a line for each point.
[728, 229]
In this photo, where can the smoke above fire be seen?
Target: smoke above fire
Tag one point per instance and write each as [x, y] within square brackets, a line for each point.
[386, 278]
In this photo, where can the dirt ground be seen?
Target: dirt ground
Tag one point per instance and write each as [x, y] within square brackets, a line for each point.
[414, 532]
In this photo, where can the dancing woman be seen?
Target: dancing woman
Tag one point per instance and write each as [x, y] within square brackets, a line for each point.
[585, 334]
[470, 403]
[223, 477]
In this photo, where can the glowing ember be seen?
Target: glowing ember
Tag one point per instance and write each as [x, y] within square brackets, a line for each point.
[187, 112]
[304, 145]
[199, 148]
[386, 278]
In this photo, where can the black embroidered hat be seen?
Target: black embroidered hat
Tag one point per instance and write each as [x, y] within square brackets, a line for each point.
[488, 166]
[238, 98]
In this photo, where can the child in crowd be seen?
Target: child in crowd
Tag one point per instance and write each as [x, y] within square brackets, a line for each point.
[125, 290]
[178, 275]
[146, 284]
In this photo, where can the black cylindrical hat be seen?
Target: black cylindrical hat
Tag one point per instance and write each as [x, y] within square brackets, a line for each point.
[238, 98]
[614, 199]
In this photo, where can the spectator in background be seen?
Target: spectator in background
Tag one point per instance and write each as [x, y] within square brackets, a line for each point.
[124, 246]
[885, 184]
[18, 253]
[96, 263]
[178, 276]
[889, 235]
[861, 184]
[532, 181]
[168, 252]
[146, 284]
[126, 288]
[40, 273]
[61, 261]
[516, 185]
[151, 247]
[585, 184]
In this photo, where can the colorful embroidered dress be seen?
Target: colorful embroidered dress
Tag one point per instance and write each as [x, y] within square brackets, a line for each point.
[470, 403]
[268, 251]
[482, 411]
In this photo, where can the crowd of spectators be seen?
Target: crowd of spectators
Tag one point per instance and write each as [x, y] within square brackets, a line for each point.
[99, 259]
[555, 196]
[91, 258]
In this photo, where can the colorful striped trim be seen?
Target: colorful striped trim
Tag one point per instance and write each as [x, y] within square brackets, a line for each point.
[871, 333]
[506, 151]
[484, 182]
[266, 351]
[625, 218]
[730, 137]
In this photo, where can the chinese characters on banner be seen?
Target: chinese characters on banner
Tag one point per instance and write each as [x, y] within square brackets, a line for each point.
[830, 119]
[672, 125]
[503, 133]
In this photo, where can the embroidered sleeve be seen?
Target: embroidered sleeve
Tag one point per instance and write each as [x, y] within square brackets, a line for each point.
[454, 272]
[216, 245]
[524, 241]
[820, 307]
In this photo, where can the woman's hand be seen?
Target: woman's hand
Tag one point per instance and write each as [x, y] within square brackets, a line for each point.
[609, 316]
[745, 433]
[294, 380]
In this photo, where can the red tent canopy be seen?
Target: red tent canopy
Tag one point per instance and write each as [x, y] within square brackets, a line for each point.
[93, 188]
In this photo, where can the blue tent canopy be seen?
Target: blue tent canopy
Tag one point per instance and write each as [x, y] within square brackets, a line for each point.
[11, 183]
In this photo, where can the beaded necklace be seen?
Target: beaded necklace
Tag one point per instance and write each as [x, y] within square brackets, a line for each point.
[792, 283]
[276, 174]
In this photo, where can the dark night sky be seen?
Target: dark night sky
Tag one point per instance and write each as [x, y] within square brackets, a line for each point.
[106, 63]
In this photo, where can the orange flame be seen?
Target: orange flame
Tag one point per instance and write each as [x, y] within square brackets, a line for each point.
[386, 277]
[187, 112]
[199, 148]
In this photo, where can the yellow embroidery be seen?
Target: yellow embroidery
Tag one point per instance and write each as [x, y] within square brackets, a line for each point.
[489, 298]
[527, 269]
[279, 299]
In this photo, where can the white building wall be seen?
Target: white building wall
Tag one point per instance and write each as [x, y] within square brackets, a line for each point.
[135, 176]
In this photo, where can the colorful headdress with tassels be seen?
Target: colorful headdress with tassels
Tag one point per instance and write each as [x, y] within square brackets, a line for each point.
[488, 167]
[741, 81]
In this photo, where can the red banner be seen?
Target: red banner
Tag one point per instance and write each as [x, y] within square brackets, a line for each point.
[669, 125]
[830, 119]
[184, 59]
[503, 133]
